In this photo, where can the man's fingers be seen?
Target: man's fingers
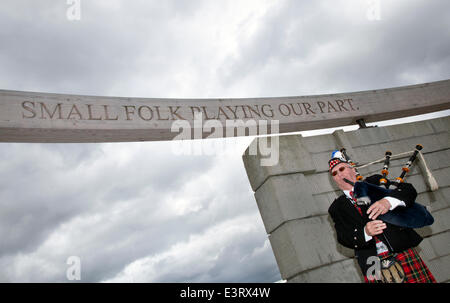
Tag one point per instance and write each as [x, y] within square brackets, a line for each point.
[380, 227]
[380, 224]
[376, 209]
[379, 212]
[374, 205]
[375, 223]
[376, 227]
[375, 213]
[371, 208]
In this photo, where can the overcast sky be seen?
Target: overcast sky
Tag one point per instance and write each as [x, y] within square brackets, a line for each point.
[136, 212]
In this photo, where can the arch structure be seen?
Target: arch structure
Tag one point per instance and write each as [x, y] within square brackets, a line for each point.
[62, 118]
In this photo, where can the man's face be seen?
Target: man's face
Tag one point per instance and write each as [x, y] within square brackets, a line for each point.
[341, 171]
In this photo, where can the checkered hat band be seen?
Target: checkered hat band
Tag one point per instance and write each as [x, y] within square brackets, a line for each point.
[333, 162]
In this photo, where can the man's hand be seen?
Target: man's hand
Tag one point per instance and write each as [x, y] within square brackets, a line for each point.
[375, 227]
[378, 208]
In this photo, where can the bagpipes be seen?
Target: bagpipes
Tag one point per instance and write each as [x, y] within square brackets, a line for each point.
[414, 216]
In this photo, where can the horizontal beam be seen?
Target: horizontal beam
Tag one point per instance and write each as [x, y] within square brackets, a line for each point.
[45, 117]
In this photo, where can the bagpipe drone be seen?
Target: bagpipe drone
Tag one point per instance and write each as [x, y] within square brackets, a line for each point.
[414, 216]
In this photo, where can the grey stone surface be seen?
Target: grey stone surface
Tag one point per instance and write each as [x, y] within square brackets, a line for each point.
[340, 272]
[304, 244]
[324, 200]
[441, 243]
[369, 136]
[440, 125]
[441, 221]
[319, 144]
[426, 250]
[293, 158]
[400, 131]
[435, 200]
[440, 267]
[283, 198]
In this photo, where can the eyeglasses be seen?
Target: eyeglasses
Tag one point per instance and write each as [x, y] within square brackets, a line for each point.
[341, 169]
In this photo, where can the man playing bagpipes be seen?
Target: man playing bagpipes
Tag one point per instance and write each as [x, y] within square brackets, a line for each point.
[385, 252]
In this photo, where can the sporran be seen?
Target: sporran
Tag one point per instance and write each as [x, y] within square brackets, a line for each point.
[392, 271]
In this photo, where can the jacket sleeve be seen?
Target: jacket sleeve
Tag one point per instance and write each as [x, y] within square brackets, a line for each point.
[349, 232]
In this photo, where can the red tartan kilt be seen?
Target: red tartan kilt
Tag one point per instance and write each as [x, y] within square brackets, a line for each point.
[415, 269]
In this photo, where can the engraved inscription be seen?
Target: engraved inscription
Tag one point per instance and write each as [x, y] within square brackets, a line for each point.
[130, 112]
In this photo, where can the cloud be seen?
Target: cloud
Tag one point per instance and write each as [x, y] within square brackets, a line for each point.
[209, 257]
[316, 48]
[111, 204]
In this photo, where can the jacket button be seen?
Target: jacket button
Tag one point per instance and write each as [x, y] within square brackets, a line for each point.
[356, 246]
[356, 230]
[354, 238]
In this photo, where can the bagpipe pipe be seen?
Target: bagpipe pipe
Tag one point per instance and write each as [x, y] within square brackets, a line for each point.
[414, 216]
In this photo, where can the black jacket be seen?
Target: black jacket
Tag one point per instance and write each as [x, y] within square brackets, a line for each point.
[349, 225]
